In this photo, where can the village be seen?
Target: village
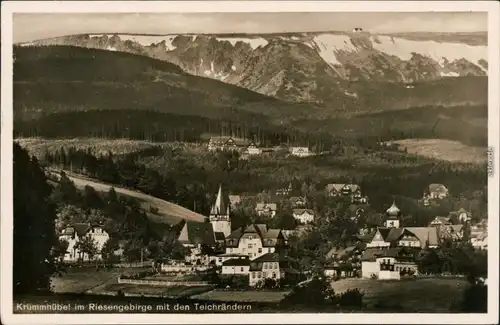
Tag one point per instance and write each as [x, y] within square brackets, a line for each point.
[257, 255]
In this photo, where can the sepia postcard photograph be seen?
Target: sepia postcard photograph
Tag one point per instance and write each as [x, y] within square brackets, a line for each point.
[249, 162]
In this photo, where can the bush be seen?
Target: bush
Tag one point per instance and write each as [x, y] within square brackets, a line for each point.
[475, 299]
[317, 292]
[351, 298]
[374, 276]
[233, 281]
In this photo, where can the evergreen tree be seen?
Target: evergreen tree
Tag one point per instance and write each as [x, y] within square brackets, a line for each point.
[34, 226]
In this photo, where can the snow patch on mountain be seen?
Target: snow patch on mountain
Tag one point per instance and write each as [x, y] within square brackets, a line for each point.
[253, 42]
[147, 40]
[328, 44]
[439, 52]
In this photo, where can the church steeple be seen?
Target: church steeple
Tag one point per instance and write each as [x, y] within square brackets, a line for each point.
[220, 206]
[219, 214]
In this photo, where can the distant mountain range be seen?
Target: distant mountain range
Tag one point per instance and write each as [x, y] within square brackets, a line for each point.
[323, 68]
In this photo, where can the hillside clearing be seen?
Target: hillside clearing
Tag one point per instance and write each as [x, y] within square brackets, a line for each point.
[168, 212]
[448, 150]
[412, 295]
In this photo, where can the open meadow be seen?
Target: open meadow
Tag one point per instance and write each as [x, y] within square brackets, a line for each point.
[167, 212]
[409, 295]
[448, 150]
[243, 296]
[79, 280]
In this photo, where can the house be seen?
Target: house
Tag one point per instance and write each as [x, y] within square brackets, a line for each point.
[303, 215]
[234, 200]
[463, 215]
[436, 191]
[480, 242]
[236, 266]
[340, 269]
[453, 232]
[300, 151]
[298, 202]
[78, 232]
[387, 263]
[252, 149]
[221, 258]
[285, 190]
[346, 190]
[420, 237]
[254, 240]
[273, 266]
[266, 209]
[357, 30]
[440, 221]
[196, 235]
[227, 143]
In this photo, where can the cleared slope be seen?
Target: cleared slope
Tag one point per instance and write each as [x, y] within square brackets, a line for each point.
[65, 78]
[168, 212]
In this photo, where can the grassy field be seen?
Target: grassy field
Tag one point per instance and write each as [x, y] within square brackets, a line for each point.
[78, 280]
[150, 290]
[243, 296]
[168, 212]
[448, 150]
[413, 295]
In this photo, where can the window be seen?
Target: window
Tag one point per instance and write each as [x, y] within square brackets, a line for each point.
[264, 274]
[253, 274]
[274, 275]
[260, 250]
[259, 275]
[265, 265]
[250, 237]
[250, 246]
[241, 269]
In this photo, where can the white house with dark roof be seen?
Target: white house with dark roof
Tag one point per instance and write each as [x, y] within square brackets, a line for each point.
[252, 149]
[266, 209]
[303, 216]
[227, 143]
[193, 236]
[346, 190]
[75, 233]
[300, 151]
[298, 202]
[273, 266]
[236, 266]
[441, 221]
[436, 191]
[387, 263]
[254, 240]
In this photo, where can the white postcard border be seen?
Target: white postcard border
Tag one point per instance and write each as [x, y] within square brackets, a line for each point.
[8, 8]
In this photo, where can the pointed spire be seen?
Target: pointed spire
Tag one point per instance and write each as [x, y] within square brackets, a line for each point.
[220, 207]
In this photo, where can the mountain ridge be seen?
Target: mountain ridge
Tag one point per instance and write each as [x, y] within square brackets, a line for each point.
[301, 67]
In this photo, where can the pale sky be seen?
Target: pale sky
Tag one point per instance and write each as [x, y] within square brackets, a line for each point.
[33, 26]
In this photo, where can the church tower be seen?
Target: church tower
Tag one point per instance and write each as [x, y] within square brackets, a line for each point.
[219, 215]
[393, 214]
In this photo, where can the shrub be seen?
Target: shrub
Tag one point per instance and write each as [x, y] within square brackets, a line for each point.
[374, 276]
[475, 299]
[351, 298]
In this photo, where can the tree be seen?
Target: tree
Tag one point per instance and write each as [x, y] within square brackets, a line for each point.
[108, 250]
[87, 246]
[34, 234]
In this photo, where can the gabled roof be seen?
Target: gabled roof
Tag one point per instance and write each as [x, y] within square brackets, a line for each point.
[197, 233]
[271, 257]
[79, 228]
[336, 187]
[425, 235]
[221, 206]
[302, 211]
[272, 234]
[443, 220]
[237, 262]
[352, 187]
[394, 234]
[226, 139]
[262, 206]
[297, 198]
[433, 188]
